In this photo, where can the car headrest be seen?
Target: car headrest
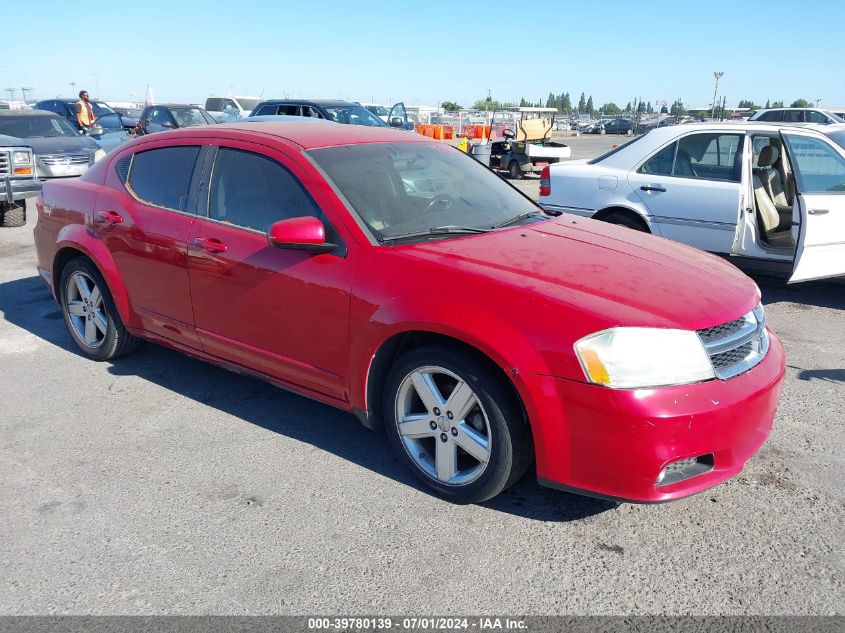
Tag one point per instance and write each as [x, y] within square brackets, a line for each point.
[768, 156]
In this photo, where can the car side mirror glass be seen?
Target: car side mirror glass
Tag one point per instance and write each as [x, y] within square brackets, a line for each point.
[94, 130]
[397, 122]
[305, 233]
[166, 124]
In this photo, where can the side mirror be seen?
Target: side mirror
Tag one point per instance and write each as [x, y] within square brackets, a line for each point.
[397, 121]
[94, 130]
[305, 233]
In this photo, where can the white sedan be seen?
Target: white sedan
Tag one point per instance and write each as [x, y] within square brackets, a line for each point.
[772, 194]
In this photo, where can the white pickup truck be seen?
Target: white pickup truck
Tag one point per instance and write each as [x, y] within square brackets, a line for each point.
[228, 108]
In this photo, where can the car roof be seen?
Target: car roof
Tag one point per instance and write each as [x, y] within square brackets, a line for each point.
[322, 102]
[28, 113]
[310, 136]
[172, 105]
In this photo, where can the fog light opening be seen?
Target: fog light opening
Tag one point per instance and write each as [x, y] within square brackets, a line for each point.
[684, 469]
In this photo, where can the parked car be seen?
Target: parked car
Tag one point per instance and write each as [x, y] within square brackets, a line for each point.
[171, 116]
[379, 110]
[304, 259]
[60, 150]
[334, 110]
[796, 115]
[17, 180]
[769, 195]
[228, 108]
[67, 108]
[614, 126]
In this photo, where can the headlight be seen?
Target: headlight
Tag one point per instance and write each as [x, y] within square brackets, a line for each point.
[100, 153]
[21, 158]
[636, 357]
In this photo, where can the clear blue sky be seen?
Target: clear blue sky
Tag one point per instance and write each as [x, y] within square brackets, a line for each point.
[426, 52]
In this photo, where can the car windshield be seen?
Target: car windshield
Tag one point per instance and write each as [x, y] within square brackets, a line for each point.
[378, 110]
[354, 115]
[404, 188]
[36, 126]
[189, 117]
[101, 108]
[248, 104]
[838, 138]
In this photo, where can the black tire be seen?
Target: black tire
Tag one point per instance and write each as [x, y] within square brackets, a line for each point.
[13, 215]
[627, 220]
[117, 341]
[514, 171]
[511, 451]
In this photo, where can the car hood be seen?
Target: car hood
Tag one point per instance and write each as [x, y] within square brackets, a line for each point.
[621, 276]
[62, 145]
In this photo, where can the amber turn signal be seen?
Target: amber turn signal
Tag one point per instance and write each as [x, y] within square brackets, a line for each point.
[23, 171]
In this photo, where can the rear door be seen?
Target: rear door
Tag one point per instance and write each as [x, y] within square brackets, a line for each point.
[820, 186]
[692, 188]
[144, 216]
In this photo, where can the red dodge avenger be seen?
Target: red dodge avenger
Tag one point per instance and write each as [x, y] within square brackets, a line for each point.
[397, 278]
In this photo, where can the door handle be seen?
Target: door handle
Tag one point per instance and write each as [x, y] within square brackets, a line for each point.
[818, 211]
[109, 217]
[210, 244]
[660, 188]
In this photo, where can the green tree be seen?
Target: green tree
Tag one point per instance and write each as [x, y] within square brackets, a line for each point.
[450, 106]
[590, 107]
[486, 104]
[800, 103]
[664, 110]
[610, 108]
[628, 107]
[777, 104]
[649, 108]
[641, 108]
[551, 101]
[768, 104]
[582, 104]
[565, 103]
[678, 109]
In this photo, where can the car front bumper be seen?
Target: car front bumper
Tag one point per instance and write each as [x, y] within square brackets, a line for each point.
[613, 443]
[12, 189]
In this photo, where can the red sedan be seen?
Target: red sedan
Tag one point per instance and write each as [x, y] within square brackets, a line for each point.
[396, 278]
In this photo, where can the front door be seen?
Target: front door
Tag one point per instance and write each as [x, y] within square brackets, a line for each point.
[398, 116]
[692, 188]
[283, 313]
[158, 120]
[145, 222]
[820, 187]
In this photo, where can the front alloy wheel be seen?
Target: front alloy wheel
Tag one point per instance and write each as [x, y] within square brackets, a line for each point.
[456, 421]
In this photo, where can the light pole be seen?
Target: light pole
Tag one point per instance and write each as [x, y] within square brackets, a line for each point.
[11, 92]
[718, 75]
[26, 91]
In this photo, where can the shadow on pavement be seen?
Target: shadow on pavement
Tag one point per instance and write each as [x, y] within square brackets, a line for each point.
[824, 294]
[827, 375]
[27, 304]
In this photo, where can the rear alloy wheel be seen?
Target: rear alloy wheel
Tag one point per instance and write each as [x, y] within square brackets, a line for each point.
[514, 171]
[90, 313]
[457, 424]
[13, 214]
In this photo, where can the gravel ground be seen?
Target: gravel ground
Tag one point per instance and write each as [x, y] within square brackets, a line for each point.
[162, 485]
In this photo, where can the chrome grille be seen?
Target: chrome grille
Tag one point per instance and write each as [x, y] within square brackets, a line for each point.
[5, 168]
[66, 159]
[737, 346]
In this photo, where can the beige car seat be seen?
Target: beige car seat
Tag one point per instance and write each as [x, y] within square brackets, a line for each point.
[769, 218]
[772, 181]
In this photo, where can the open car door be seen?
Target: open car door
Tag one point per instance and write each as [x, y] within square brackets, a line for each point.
[820, 193]
[398, 117]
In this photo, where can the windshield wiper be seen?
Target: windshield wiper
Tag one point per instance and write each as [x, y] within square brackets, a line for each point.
[520, 217]
[450, 229]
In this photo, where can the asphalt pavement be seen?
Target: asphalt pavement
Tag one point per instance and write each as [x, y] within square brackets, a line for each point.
[158, 484]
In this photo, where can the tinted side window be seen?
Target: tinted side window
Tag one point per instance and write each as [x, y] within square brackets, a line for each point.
[816, 117]
[793, 116]
[661, 163]
[254, 191]
[775, 115]
[162, 177]
[289, 110]
[267, 109]
[213, 104]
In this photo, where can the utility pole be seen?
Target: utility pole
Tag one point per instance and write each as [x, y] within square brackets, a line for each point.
[818, 101]
[718, 75]
[11, 92]
[72, 88]
[26, 91]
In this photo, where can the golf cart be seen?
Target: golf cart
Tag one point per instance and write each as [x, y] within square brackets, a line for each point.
[521, 142]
